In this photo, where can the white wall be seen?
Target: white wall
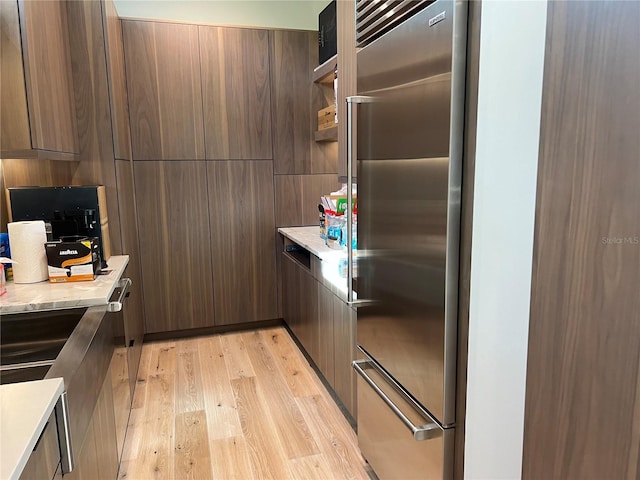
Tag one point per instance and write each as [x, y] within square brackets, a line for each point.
[294, 14]
[509, 98]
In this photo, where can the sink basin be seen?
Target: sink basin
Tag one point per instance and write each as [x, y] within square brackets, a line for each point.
[30, 342]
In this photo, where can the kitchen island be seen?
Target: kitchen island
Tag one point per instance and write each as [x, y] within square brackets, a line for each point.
[78, 371]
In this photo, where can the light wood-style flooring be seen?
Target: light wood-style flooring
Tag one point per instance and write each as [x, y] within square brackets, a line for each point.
[243, 405]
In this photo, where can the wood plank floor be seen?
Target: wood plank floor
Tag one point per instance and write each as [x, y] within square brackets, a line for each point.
[237, 406]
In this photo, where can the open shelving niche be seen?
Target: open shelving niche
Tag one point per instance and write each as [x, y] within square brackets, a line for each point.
[323, 77]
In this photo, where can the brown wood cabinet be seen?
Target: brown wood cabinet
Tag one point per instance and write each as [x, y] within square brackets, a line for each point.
[236, 93]
[291, 100]
[36, 99]
[300, 304]
[134, 312]
[322, 323]
[242, 224]
[165, 98]
[582, 408]
[98, 457]
[326, 339]
[297, 197]
[45, 458]
[344, 344]
[93, 113]
[171, 199]
[347, 79]
[117, 81]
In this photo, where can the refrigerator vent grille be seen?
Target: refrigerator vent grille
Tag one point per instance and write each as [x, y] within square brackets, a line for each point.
[374, 18]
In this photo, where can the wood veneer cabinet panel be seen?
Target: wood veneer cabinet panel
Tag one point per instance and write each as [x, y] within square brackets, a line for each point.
[98, 456]
[583, 377]
[48, 76]
[37, 98]
[298, 196]
[92, 108]
[173, 221]
[347, 77]
[242, 226]
[45, 457]
[134, 313]
[326, 349]
[117, 81]
[291, 100]
[104, 422]
[14, 120]
[165, 98]
[236, 93]
[290, 274]
[300, 305]
[344, 338]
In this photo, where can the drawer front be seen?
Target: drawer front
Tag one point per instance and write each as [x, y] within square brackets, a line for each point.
[389, 445]
[45, 458]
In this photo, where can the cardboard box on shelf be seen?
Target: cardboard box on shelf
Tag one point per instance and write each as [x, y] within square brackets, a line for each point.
[327, 117]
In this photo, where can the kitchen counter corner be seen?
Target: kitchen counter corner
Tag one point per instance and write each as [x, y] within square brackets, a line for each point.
[25, 409]
[36, 297]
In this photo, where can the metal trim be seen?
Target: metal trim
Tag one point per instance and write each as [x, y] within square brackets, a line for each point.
[64, 434]
[456, 141]
[116, 306]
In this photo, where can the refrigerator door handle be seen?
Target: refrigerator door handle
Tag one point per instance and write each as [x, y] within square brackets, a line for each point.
[427, 431]
[350, 102]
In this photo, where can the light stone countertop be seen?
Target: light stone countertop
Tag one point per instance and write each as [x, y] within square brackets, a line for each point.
[25, 409]
[309, 238]
[41, 296]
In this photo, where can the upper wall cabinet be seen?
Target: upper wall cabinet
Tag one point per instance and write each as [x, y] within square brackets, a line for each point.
[236, 94]
[290, 69]
[37, 100]
[165, 96]
[117, 81]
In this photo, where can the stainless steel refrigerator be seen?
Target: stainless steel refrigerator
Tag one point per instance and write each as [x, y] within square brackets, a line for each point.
[408, 118]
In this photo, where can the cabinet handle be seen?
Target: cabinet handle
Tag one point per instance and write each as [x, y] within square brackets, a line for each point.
[116, 306]
[64, 434]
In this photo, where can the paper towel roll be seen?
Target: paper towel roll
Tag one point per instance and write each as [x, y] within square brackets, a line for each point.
[26, 241]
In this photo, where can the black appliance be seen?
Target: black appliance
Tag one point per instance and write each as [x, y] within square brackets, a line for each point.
[327, 33]
[72, 212]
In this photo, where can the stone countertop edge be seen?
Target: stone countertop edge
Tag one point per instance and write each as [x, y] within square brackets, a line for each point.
[25, 408]
[309, 238]
[42, 296]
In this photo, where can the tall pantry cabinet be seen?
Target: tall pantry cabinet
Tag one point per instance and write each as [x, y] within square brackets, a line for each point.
[200, 111]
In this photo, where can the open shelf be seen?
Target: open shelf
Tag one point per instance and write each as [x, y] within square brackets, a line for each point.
[327, 135]
[324, 72]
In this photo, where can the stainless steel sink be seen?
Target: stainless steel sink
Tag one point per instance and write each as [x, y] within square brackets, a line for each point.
[30, 342]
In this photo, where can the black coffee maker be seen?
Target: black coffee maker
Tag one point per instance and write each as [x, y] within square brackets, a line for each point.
[70, 213]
